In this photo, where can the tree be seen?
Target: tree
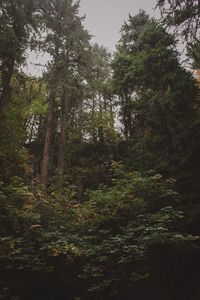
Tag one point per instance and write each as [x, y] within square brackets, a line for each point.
[14, 157]
[158, 98]
[65, 40]
[183, 14]
[100, 98]
[17, 20]
[72, 76]
[145, 61]
[184, 17]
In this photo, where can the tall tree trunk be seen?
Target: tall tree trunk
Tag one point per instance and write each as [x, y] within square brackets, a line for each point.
[48, 135]
[80, 112]
[94, 133]
[61, 142]
[6, 78]
[100, 127]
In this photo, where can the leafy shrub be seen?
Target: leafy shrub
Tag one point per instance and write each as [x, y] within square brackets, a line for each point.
[103, 247]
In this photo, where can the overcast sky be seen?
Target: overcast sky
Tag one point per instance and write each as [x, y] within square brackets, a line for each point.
[104, 18]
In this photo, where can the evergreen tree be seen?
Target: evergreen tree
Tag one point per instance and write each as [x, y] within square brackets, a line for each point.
[158, 98]
[17, 20]
[184, 17]
[182, 14]
[65, 40]
[100, 97]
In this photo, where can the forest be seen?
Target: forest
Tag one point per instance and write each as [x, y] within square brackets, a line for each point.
[99, 156]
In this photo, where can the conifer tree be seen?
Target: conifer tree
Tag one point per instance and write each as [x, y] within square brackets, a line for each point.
[182, 15]
[65, 41]
[157, 97]
[17, 20]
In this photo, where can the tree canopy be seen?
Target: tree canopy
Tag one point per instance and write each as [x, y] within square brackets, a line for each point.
[183, 14]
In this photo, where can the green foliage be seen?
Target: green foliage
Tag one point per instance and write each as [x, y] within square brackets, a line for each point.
[110, 237]
[158, 104]
[183, 15]
[101, 125]
[88, 164]
[125, 221]
[183, 18]
[17, 19]
[14, 158]
[29, 217]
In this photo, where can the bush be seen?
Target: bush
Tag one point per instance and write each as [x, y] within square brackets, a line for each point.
[104, 247]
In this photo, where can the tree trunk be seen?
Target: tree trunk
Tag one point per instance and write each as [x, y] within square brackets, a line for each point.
[6, 78]
[80, 111]
[100, 127]
[48, 135]
[94, 133]
[61, 142]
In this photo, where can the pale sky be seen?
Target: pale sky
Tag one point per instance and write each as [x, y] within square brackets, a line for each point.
[104, 18]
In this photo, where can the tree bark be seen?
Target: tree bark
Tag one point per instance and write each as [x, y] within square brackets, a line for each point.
[48, 135]
[100, 127]
[61, 142]
[94, 133]
[6, 78]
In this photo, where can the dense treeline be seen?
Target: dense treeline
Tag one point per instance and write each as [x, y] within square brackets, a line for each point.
[100, 168]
